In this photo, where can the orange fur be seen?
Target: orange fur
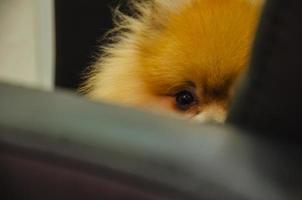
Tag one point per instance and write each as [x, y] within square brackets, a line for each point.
[173, 45]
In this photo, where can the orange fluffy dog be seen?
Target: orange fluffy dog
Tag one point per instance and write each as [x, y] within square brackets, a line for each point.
[181, 56]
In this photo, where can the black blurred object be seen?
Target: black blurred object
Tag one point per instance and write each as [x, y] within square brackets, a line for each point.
[80, 27]
[60, 146]
[270, 96]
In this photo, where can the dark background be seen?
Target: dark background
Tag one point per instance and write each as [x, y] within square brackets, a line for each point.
[80, 27]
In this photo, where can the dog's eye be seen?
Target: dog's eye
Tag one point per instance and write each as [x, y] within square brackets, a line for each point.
[184, 99]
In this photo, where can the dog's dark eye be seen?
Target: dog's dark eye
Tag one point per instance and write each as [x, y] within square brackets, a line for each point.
[184, 99]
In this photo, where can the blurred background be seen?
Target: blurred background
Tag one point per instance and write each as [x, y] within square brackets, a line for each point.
[48, 44]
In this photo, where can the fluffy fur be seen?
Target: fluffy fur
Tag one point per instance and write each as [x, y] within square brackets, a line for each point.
[173, 45]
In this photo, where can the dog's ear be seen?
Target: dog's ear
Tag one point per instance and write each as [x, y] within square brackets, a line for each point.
[162, 9]
[148, 15]
[171, 5]
[155, 13]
